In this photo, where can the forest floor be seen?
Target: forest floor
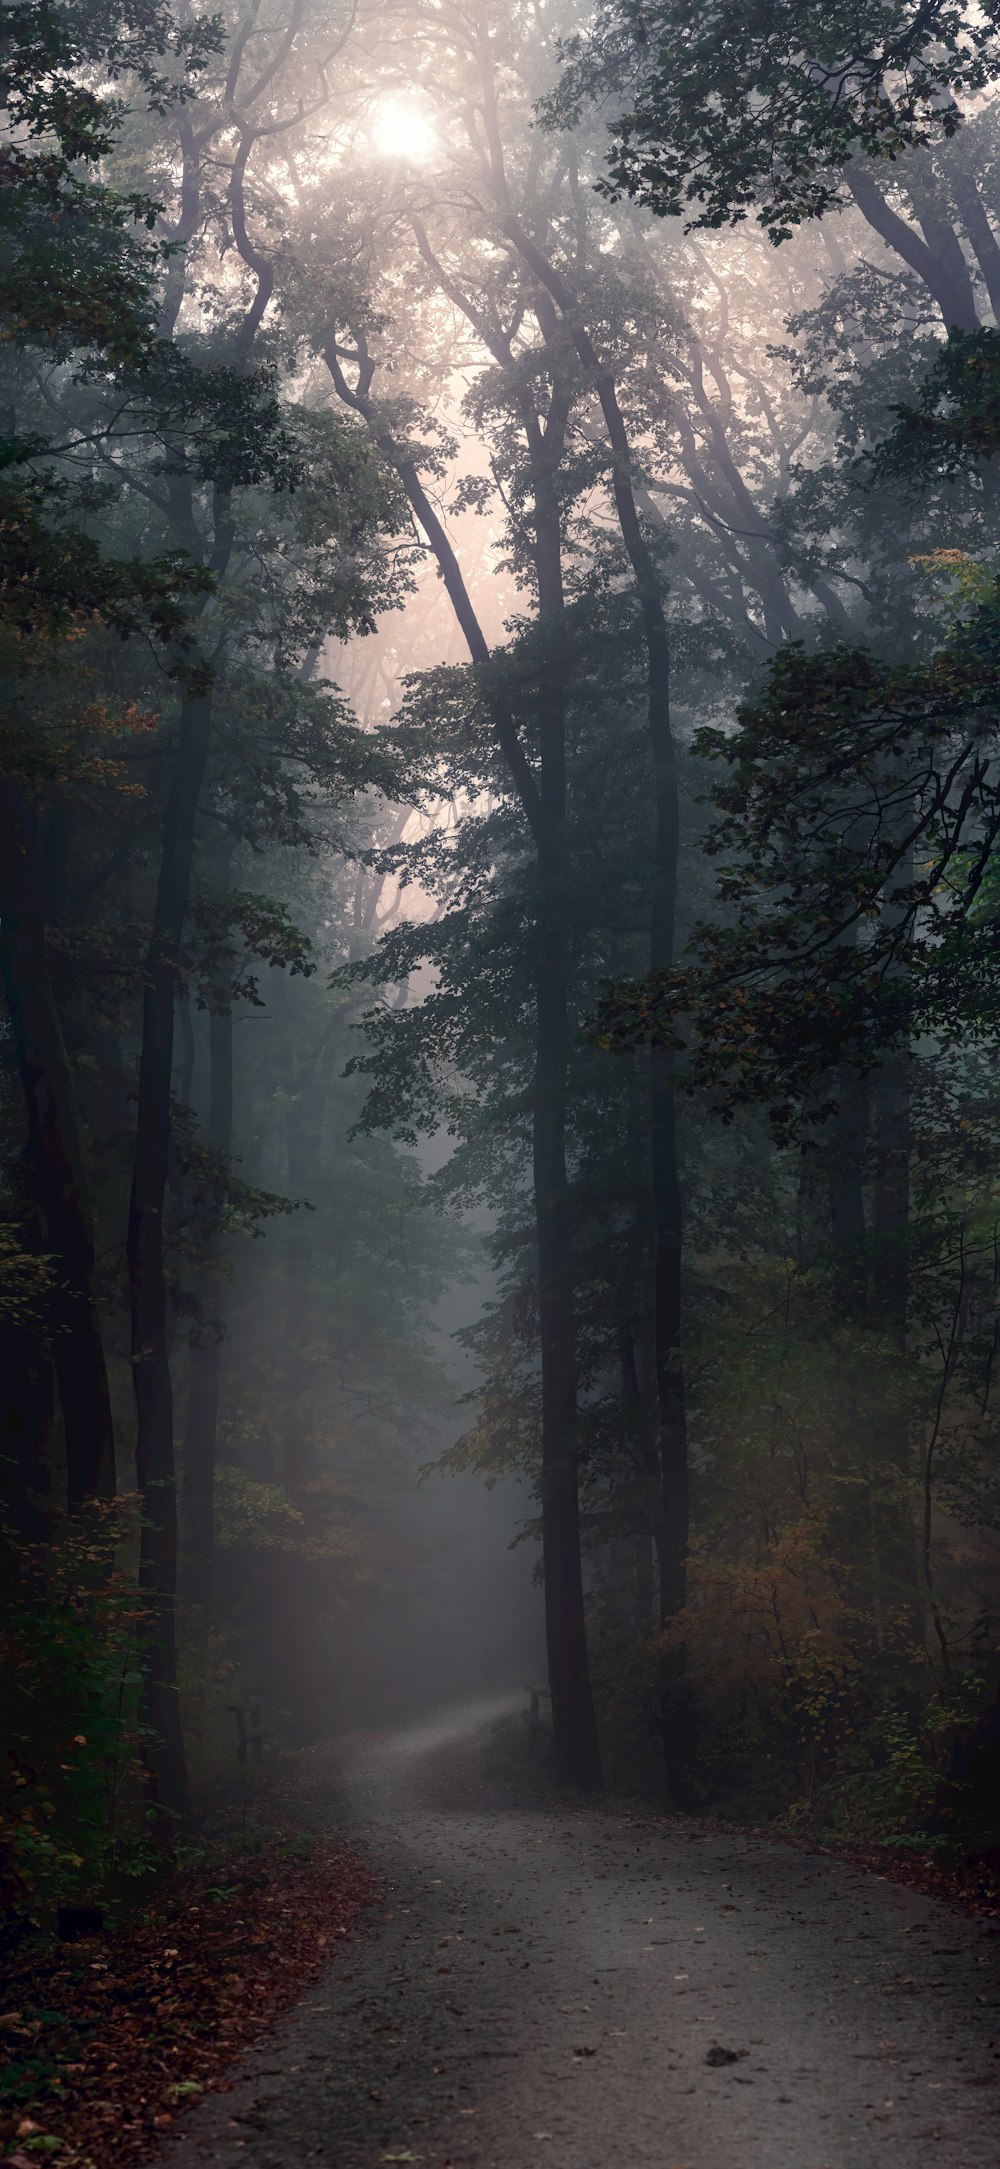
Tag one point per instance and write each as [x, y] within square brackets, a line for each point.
[580, 1987]
[103, 2041]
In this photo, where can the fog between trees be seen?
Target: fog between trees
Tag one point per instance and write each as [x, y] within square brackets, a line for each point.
[498, 902]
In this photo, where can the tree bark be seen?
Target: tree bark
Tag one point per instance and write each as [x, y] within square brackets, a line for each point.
[972, 211]
[845, 1185]
[936, 259]
[27, 1384]
[302, 1151]
[164, 1751]
[576, 1751]
[57, 1156]
[667, 1204]
[201, 1429]
[894, 1533]
[890, 1217]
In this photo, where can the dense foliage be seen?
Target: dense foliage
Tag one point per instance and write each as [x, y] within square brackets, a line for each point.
[498, 790]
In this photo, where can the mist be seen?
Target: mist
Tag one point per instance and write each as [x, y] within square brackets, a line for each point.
[499, 814]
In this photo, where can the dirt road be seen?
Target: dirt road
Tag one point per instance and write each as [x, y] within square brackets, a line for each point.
[575, 1989]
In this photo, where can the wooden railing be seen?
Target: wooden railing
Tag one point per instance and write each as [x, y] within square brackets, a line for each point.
[250, 1730]
[539, 1727]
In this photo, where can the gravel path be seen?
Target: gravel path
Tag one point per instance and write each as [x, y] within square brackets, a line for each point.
[580, 1989]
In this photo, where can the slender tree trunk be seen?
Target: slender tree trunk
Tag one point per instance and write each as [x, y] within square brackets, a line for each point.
[891, 1213]
[667, 1204]
[57, 1157]
[166, 1768]
[27, 1395]
[636, 1365]
[576, 1749]
[845, 1186]
[177, 1176]
[577, 1757]
[895, 1533]
[301, 1158]
[201, 1429]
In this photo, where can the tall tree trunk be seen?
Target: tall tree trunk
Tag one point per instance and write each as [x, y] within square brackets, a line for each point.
[894, 1532]
[57, 1156]
[636, 1365]
[201, 1429]
[667, 1205]
[27, 1395]
[577, 1758]
[892, 1521]
[577, 1755]
[165, 1761]
[576, 1749]
[166, 1769]
[891, 1210]
[184, 1061]
[301, 1161]
[845, 1158]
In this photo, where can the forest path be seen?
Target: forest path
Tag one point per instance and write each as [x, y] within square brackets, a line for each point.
[544, 1985]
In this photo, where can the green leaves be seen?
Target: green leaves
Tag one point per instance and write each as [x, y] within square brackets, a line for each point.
[856, 825]
[745, 106]
[954, 423]
[49, 44]
[74, 276]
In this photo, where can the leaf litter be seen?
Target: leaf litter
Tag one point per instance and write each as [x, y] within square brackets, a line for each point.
[104, 2043]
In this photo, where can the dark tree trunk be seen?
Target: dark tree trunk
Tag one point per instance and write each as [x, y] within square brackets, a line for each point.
[166, 1768]
[845, 1161]
[642, 1452]
[201, 1429]
[577, 1758]
[576, 1749]
[893, 1531]
[27, 1395]
[574, 1728]
[301, 1159]
[57, 1158]
[667, 1205]
[636, 1364]
[935, 255]
[891, 1210]
[893, 1527]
